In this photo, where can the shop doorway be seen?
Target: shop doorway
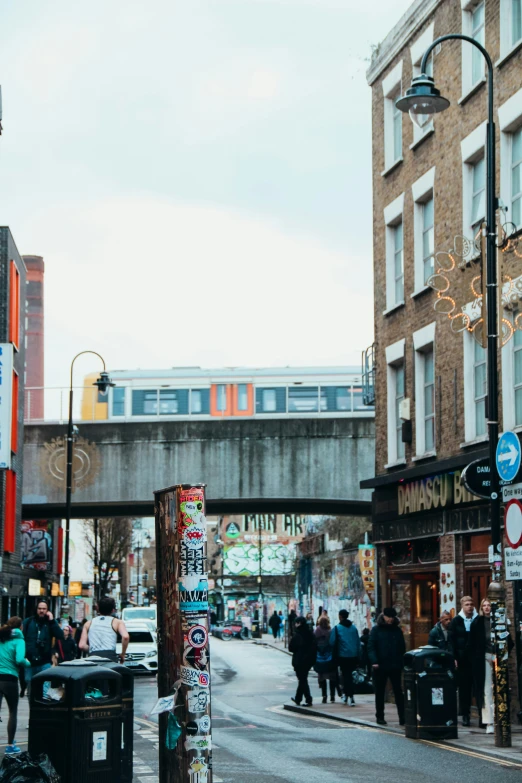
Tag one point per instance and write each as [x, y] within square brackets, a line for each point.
[416, 599]
[477, 585]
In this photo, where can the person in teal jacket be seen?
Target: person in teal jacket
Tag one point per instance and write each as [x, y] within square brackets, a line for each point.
[12, 657]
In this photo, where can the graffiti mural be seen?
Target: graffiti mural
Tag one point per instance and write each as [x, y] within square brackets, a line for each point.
[243, 559]
[37, 545]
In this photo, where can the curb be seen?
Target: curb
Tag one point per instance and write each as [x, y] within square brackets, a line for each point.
[494, 755]
[270, 646]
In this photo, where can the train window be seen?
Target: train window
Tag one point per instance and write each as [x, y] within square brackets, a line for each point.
[269, 400]
[195, 401]
[272, 400]
[358, 404]
[303, 399]
[221, 401]
[118, 401]
[150, 403]
[242, 397]
[343, 398]
[168, 402]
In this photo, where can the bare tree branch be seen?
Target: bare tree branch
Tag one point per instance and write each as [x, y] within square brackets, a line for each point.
[114, 545]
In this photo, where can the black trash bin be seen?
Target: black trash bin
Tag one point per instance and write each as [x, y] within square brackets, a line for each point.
[430, 686]
[256, 629]
[76, 718]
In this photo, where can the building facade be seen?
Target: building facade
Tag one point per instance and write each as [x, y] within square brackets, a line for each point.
[432, 535]
[34, 338]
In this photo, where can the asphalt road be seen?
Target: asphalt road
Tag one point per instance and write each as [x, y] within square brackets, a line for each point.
[254, 741]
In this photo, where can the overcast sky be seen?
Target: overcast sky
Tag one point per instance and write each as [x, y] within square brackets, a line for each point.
[196, 174]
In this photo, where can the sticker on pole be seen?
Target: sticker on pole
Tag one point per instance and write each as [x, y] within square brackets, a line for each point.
[513, 523]
[197, 636]
[508, 456]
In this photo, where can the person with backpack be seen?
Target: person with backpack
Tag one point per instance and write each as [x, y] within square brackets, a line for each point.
[39, 632]
[325, 666]
[344, 638]
[12, 659]
[303, 648]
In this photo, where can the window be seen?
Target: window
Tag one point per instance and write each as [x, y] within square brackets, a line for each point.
[398, 263]
[473, 183]
[168, 402]
[510, 25]
[343, 398]
[269, 400]
[417, 51]
[242, 397]
[395, 395]
[150, 402]
[118, 401]
[399, 396]
[429, 402]
[472, 60]
[221, 398]
[195, 401]
[428, 238]
[424, 228]
[517, 372]
[303, 399]
[391, 86]
[516, 178]
[516, 21]
[394, 253]
[479, 388]
[154, 402]
[478, 195]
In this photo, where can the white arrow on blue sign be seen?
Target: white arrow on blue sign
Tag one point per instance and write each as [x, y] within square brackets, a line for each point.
[508, 456]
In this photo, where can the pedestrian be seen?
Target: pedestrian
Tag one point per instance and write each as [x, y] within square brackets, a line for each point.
[78, 636]
[281, 633]
[386, 648]
[12, 660]
[39, 631]
[310, 620]
[303, 648]
[345, 641]
[365, 660]
[100, 635]
[274, 623]
[65, 650]
[460, 637]
[325, 666]
[292, 617]
[439, 635]
[322, 613]
[483, 665]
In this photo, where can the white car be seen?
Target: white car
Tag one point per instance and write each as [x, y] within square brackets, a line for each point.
[140, 613]
[142, 652]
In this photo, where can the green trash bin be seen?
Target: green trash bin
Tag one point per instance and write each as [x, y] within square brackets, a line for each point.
[76, 718]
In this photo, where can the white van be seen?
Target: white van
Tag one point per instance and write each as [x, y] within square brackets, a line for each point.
[140, 613]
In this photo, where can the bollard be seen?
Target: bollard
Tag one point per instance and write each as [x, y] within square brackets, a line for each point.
[183, 634]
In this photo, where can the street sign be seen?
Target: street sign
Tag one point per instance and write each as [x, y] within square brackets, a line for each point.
[512, 492]
[513, 563]
[476, 478]
[513, 523]
[508, 456]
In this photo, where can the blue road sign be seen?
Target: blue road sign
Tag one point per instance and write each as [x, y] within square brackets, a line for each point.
[508, 456]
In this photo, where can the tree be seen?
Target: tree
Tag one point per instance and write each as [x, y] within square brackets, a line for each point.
[114, 545]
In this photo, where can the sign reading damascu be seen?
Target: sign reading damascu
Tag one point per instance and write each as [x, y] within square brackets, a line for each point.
[430, 493]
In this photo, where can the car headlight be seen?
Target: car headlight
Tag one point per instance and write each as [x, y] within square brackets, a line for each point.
[151, 654]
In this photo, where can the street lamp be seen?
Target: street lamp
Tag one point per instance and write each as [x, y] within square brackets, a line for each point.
[422, 101]
[103, 383]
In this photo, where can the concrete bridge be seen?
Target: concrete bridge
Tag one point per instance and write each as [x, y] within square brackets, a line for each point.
[278, 465]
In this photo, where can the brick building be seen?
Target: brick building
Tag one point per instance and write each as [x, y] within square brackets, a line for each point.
[430, 382]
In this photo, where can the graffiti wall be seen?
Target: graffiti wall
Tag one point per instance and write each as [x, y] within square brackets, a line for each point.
[269, 537]
[37, 545]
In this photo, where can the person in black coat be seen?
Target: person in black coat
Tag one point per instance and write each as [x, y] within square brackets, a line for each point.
[460, 628]
[275, 624]
[386, 648]
[304, 650]
[440, 635]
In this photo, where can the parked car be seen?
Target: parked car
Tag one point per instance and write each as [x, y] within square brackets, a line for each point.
[142, 652]
[140, 613]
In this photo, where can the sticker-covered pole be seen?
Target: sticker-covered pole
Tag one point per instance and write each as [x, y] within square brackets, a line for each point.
[183, 631]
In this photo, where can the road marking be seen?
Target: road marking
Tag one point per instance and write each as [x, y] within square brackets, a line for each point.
[474, 754]
[149, 723]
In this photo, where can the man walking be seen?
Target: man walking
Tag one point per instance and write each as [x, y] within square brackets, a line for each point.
[344, 639]
[100, 635]
[274, 623]
[386, 650]
[460, 637]
[440, 635]
[39, 632]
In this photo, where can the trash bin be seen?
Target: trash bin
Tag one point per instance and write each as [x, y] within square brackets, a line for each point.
[431, 694]
[127, 736]
[256, 629]
[76, 718]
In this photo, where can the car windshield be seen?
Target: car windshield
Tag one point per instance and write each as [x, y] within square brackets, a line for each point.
[139, 614]
[140, 637]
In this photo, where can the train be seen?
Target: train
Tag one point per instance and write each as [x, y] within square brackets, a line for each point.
[227, 392]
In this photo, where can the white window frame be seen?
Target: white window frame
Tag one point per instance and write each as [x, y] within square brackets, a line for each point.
[472, 148]
[470, 430]
[507, 46]
[468, 50]
[422, 190]
[393, 215]
[392, 88]
[509, 121]
[508, 386]
[423, 342]
[417, 50]
[394, 359]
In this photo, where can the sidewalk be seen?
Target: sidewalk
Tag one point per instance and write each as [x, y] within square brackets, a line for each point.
[470, 739]
[268, 640]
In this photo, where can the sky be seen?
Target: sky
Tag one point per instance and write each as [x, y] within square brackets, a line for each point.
[196, 175]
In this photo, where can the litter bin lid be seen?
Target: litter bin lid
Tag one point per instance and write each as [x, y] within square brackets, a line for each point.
[428, 657]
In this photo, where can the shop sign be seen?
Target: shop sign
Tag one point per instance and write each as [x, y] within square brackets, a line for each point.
[468, 520]
[33, 587]
[367, 564]
[403, 529]
[476, 477]
[431, 493]
[75, 588]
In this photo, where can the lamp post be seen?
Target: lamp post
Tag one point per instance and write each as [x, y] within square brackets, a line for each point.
[102, 384]
[422, 101]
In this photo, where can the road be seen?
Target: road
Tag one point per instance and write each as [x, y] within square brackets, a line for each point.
[254, 740]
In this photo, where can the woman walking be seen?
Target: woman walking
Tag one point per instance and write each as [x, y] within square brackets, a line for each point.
[12, 657]
[303, 649]
[324, 665]
[483, 663]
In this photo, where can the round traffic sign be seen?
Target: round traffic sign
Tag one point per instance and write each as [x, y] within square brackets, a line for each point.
[508, 456]
[513, 523]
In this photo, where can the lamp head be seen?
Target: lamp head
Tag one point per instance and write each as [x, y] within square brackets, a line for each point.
[422, 100]
[104, 382]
